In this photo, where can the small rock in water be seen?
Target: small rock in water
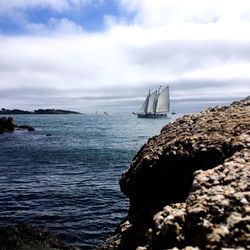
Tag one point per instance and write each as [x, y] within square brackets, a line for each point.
[29, 128]
[6, 124]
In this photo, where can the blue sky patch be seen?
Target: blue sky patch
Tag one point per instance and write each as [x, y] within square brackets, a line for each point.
[90, 17]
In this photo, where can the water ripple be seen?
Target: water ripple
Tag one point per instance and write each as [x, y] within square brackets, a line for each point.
[68, 182]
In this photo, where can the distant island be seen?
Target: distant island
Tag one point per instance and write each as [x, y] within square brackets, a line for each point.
[4, 111]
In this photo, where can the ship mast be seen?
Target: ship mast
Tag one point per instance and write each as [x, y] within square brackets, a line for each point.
[146, 107]
[156, 101]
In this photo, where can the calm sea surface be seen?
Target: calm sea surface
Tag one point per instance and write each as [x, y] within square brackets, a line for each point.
[68, 182]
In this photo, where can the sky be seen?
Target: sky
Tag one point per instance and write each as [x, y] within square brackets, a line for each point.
[89, 55]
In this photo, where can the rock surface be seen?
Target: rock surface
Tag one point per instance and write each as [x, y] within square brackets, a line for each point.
[188, 186]
[216, 213]
[24, 237]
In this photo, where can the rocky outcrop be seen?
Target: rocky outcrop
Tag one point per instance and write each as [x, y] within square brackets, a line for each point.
[188, 186]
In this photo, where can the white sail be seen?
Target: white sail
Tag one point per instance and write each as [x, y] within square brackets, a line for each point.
[144, 106]
[163, 101]
[151, 102]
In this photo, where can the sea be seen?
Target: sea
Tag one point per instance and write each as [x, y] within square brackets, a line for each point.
[64, 176]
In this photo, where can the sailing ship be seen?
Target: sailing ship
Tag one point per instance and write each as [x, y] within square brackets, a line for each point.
[156, 104]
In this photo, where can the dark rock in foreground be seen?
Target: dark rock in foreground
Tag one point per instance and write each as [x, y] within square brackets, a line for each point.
[37, 112]
[189, 186]
[24, 237]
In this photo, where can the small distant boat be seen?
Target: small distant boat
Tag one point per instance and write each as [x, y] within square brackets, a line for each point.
[173, 112]
[156, 104]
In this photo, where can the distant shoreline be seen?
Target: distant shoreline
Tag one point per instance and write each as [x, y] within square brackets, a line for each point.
[37, 112]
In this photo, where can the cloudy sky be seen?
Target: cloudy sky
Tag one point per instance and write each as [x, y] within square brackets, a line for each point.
[91, 55]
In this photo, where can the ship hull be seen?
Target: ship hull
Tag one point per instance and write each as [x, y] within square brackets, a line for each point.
[152, 115]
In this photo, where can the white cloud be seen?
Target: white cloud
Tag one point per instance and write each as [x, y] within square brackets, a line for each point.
[200, 47]
[161, 12]
[92, 65]
[55, 26]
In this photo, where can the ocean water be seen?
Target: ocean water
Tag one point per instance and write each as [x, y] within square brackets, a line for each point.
[68, 182]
